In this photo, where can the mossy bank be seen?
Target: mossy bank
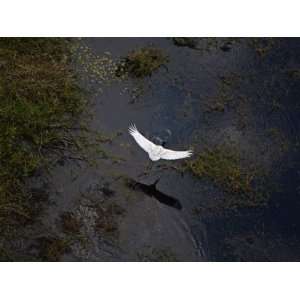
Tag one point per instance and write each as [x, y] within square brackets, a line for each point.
[40, 100]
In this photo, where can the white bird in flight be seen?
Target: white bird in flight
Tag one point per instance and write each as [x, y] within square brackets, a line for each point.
[154, 151]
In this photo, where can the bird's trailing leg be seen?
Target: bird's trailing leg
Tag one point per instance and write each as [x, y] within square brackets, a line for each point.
[147, 170]
[149, 167]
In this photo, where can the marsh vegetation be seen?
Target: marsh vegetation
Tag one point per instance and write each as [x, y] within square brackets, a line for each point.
[74, 187]
[142, 62]
[243, 180]
[39, 100]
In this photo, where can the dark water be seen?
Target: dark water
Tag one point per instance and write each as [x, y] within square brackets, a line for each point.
[174, 220]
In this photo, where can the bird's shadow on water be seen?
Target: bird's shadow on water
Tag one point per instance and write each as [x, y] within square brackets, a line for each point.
[152, 191]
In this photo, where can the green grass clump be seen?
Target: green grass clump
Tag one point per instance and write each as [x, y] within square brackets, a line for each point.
[39, 100]
[142, 62]
[223, 166]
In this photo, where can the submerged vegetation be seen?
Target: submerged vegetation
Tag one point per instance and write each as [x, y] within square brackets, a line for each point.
[262, 46]
[70, 223]
[185, 42]
[106, 221]
[151, 254]
[224, 97]
[142, 62]
[39, 101]
[293, 73]
[53, 248]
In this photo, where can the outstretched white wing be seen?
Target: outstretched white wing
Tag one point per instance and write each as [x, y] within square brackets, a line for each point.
[170, 154]
[140, 139]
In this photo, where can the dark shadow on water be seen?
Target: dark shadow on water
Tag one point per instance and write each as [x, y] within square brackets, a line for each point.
[152, 191]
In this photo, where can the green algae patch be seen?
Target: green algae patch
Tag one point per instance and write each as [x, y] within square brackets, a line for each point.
[142, 62]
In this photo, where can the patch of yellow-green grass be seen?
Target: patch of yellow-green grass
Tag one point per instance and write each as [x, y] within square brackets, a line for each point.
[224, 167]
[142, 62]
